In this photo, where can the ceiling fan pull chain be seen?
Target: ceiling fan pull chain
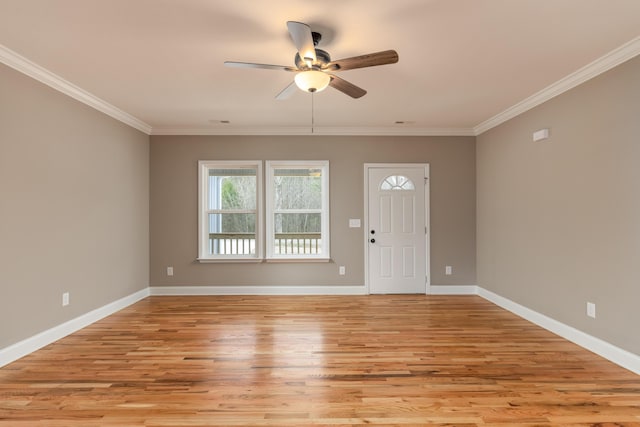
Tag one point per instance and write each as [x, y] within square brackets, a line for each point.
[312, 113]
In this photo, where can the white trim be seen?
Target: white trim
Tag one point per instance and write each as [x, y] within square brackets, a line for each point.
[325, 210]
[427, 217]
[608, 61]
[453, 290]
[33, 70]
[589, 71]
[256, 290]
[427, 224]
[203, 199]
[29, 345]
[610, 352]
[317, 131]
[229, 260]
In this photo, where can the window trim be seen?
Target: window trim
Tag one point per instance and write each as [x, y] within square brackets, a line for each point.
[325, 230]
[203, 193]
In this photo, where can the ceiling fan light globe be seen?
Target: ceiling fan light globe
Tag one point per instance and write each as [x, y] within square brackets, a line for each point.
[312, 81]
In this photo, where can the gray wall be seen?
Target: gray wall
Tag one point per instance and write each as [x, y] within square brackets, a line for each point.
[74, 208]
[174, 205]
[559, 220]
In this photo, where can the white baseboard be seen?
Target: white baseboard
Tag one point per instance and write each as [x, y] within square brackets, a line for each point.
[453, 290]
[258, 290]
[602, 348]
[29, 345]
[610, 352]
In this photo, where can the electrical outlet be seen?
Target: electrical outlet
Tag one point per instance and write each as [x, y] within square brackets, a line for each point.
[591, 310]
[342, 270]
[448, 270]
[169, 271]
[65, 299]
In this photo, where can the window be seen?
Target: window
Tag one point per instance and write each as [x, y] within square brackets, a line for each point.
[397, 182]
[230, 210]
[230, 222]
[297, 215]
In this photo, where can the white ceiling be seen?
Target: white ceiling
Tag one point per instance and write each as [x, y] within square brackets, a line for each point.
[464, 64]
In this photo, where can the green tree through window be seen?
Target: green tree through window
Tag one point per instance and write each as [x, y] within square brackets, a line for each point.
[238, 193]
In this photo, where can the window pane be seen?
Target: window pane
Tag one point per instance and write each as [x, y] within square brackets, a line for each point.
[232, 189]
[397, 182]
[297, 209]
[297, 223]
[297, 189]
[232, 234]
[297, 234]
[232, 223]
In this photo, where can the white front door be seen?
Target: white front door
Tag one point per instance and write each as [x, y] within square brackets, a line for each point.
[397, 226]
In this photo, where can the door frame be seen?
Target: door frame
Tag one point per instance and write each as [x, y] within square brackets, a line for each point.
[367, 167]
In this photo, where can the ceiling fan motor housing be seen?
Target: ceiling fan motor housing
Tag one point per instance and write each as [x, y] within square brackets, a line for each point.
[322, 59]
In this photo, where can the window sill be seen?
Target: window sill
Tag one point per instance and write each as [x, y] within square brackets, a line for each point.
[298, 260]
[228, 260]
[260, 260]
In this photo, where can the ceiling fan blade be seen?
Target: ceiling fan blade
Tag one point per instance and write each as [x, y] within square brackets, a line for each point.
[369, 60]
[263, 66]
[287, 92]
[302, 38]
[347, 88]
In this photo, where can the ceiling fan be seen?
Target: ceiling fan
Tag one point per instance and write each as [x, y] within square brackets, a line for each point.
[314, 68]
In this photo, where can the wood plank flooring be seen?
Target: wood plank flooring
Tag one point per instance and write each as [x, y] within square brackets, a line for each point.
[317, 360]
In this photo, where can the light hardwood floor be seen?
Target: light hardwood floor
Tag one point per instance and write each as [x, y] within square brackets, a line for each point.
[296, 361]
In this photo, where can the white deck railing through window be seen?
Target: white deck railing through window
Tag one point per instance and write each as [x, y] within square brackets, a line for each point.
[284, 244]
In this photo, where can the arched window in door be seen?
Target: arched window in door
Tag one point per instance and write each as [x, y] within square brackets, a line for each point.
[397, 182]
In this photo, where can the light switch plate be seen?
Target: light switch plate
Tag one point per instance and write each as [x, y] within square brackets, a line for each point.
[354, 223]
[591, 310]
[540, 135]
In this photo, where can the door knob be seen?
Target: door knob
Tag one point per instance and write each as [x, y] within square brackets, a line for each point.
[373, 240]
[373, 231]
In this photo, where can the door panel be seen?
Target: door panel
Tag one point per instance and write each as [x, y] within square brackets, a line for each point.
[397, 218]
[408, 214]
[386, 262]
[408, 262]
[385, 214]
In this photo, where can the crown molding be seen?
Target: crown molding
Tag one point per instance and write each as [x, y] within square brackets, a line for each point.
[317, 131]
[33, 70]
[605, 63]
[610, 60]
